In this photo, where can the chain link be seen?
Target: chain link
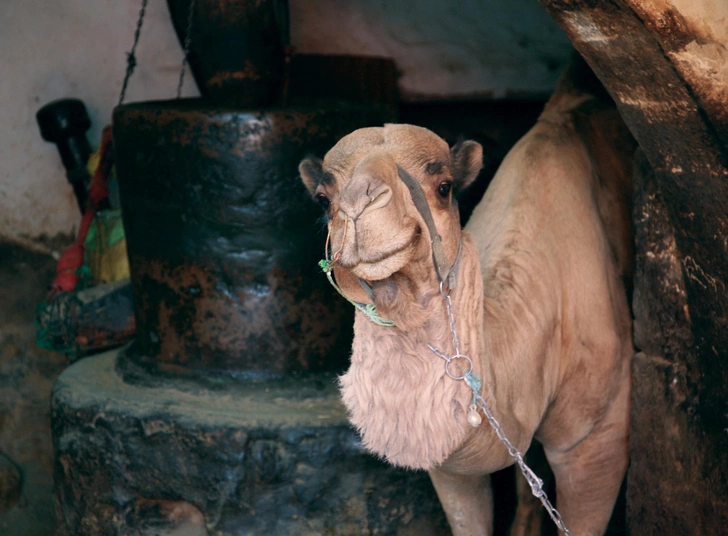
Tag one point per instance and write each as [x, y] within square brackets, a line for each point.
[474, 382]
[451, 318]
[535, 483]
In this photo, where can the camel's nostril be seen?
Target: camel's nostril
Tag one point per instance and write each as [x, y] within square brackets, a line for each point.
[380, 197]
[355, 204]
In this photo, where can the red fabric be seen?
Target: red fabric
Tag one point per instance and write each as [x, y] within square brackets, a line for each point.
[69, 262]
[75, 255]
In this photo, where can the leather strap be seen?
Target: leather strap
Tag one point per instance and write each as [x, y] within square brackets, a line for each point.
[367, 288]
[445, 272]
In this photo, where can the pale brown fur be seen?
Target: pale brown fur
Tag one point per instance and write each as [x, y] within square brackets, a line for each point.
[539, 303]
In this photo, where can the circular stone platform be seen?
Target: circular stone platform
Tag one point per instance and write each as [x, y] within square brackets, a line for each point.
[265, 458]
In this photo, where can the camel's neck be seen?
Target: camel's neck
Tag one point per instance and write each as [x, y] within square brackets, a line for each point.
[397, 390]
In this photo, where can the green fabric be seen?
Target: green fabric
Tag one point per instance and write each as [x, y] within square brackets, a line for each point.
[369, 309]
[113, 229]
[54, 324]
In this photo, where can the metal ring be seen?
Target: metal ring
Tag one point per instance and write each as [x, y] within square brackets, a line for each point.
[453, 358]
[442, 290]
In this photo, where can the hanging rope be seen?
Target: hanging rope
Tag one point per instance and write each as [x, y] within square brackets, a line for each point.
[131, 61]
[130, 57]
[188, 41]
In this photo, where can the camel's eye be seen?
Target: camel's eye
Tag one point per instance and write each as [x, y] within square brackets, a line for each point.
[323, 201]
[444, 188]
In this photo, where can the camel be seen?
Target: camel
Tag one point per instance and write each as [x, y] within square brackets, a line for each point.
[536, 284]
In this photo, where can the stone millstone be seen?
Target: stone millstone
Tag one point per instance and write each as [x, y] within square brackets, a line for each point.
[223, 239]
[265, 458]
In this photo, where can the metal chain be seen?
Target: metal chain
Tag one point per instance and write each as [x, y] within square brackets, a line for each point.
[474, 382]
[130, 57]
[535, 483]
[188, 41]
[451, 317]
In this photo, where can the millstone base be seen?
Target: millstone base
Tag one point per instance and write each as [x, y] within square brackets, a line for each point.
[268, 458]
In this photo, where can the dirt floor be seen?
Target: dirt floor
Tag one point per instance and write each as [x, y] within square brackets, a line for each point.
[27, 374]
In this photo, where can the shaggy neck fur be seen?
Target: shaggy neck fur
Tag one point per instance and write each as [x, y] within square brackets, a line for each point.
[407, 409]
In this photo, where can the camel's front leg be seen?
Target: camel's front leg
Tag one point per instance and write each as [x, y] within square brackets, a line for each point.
[588, 477]
[467, 501]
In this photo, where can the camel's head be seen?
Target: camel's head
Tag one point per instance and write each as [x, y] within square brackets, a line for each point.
[374, 224]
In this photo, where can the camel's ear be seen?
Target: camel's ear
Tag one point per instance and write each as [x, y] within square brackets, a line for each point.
[467, 161]
[312, 172]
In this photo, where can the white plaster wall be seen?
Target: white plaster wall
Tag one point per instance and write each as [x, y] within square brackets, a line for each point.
[51, 49]
[443, 48]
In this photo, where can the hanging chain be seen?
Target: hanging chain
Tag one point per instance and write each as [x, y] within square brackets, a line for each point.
[535, 483]
[130, 57]
[188, 41]
[455, 343]
[474, 383]
[451, 318]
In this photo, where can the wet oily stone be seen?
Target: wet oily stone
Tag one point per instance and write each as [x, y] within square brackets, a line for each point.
[270, 458]
[219, 228]
[236, 47]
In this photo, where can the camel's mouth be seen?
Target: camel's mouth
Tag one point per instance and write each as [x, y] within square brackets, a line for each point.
[371, 261]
